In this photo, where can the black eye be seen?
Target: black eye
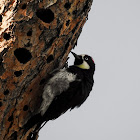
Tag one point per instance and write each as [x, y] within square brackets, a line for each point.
[86, 58]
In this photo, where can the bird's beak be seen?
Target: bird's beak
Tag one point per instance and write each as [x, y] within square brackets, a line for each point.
[75, 55]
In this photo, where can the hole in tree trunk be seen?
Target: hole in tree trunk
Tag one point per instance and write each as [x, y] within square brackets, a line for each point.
[18, 73]
[42, 81]
[29, 33]
[6, 92]
[25, 108]
[67, 5]
[67, 22]
[23, 6]
[50, 58]
[0, 18]
[14, 136]
[1, 104]
[22, 55]
[31, 90]
[6, 36]
[46, 15]
[10, 118]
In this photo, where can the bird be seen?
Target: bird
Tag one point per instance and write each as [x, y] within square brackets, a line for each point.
[69, 88]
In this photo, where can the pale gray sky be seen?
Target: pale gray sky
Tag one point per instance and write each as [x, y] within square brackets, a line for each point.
[112, 112]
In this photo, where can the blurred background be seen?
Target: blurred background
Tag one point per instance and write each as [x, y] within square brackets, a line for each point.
[112, 112]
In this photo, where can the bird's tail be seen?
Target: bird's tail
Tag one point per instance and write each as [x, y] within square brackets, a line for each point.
[37, 120]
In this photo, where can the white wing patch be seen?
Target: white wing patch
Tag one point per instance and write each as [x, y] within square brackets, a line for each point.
[55, 86]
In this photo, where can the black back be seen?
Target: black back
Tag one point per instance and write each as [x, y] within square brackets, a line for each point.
[74, 96]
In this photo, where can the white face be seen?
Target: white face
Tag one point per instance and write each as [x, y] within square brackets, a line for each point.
[84, 65]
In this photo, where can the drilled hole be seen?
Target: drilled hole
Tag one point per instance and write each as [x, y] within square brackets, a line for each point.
[31, 90]
[74, 12]
[6, 36]
[28, 44]
[67, 5]
[1, 104]
[46, 15]
[50, 58]
[18, 73]
[10, 118]
[22, 55]
[67, 22]
[0, 18]
[25, 108]
[6, 92]
[29, 33]
[23, 6]
[42, 81]
[14, 136]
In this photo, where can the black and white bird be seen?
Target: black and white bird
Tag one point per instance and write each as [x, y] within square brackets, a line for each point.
[70, 86]
[67, 88]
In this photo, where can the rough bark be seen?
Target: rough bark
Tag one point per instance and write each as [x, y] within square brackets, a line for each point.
[35, 37]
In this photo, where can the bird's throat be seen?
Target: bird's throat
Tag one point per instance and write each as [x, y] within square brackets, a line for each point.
[84, 65]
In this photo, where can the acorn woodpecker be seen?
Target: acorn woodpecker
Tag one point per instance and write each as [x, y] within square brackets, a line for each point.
[71, 87]
[68, 87]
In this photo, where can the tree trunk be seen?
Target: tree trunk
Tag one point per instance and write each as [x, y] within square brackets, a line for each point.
[36, 37]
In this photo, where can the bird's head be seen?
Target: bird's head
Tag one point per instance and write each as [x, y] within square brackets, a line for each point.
[84, 62]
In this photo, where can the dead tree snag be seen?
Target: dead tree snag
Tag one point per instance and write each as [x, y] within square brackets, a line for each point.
[35, 37]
